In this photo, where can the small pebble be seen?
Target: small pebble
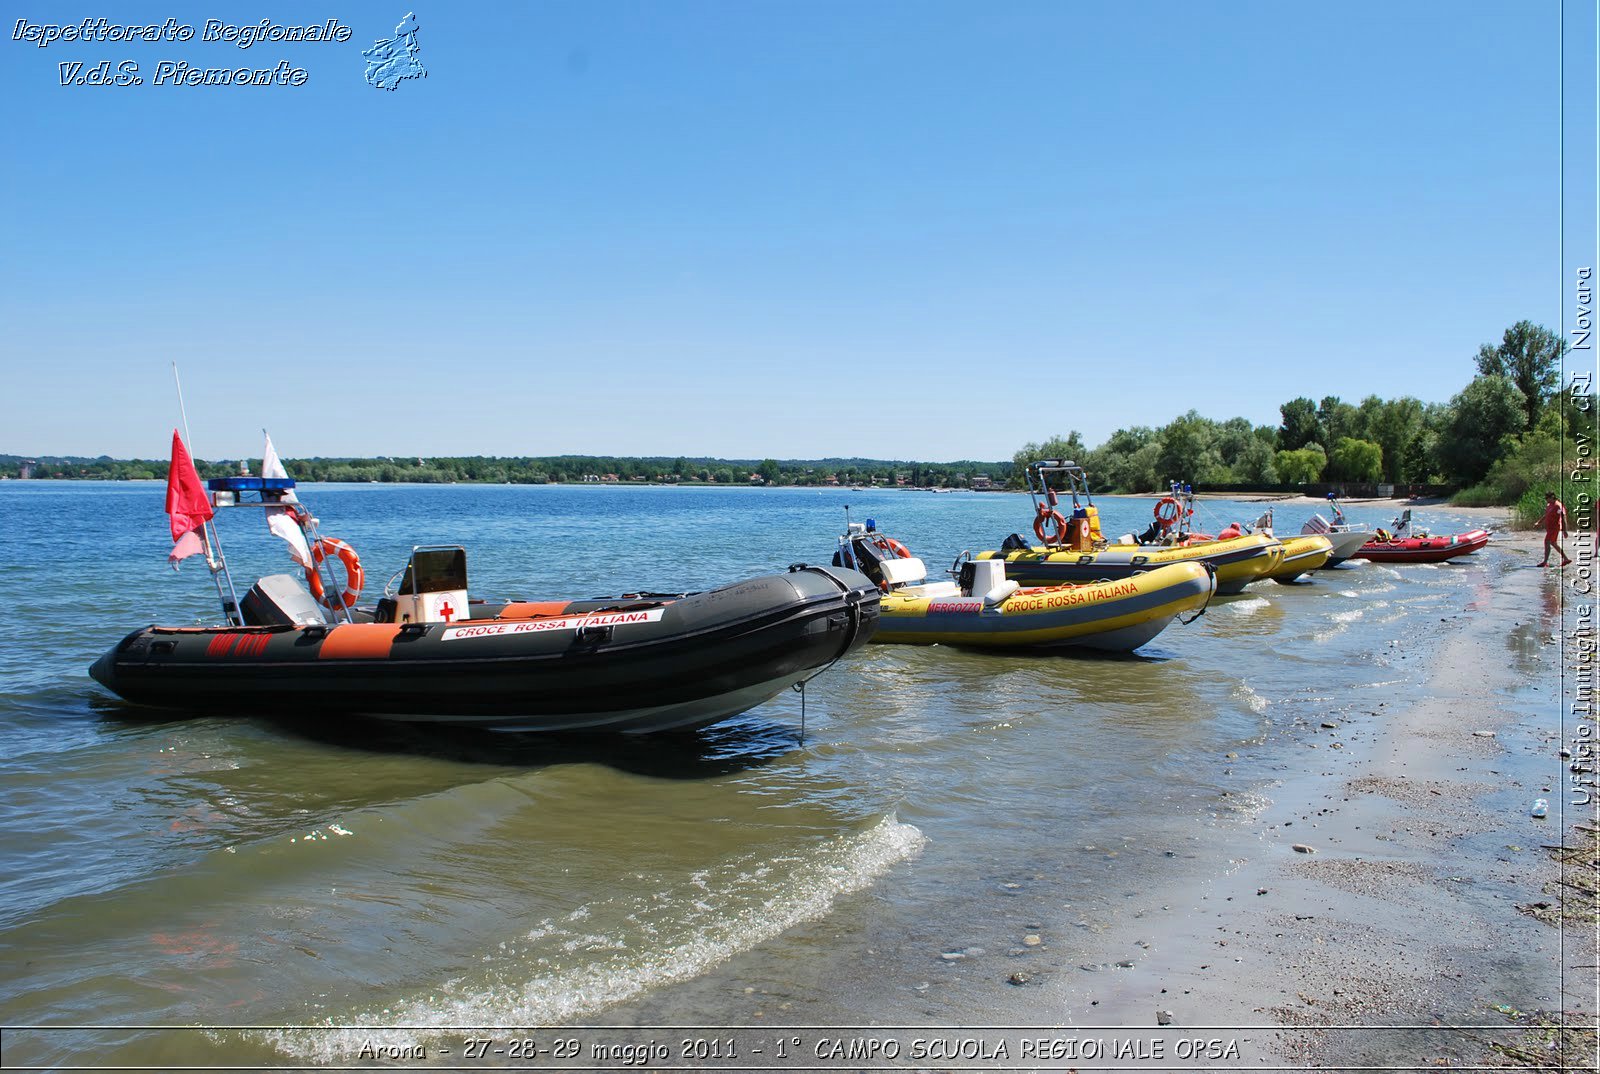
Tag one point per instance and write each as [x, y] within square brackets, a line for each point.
[1301, 848]
[1017, 979]
[953, 956]
[1032, 940]
[1163, 1018]
[1483, 734]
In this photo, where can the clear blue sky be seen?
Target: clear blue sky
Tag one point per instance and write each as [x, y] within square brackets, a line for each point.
[746, 229]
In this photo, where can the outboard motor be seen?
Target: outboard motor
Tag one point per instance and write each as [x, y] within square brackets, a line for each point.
[280, 600]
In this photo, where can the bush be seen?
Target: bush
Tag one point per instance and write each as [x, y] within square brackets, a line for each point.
[1521, 478]
[1484, 495]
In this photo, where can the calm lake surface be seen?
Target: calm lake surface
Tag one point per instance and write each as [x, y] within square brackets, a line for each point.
[216, 870]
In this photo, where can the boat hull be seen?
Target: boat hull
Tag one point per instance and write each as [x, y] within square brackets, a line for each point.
[1346, 543]
[583, 666]
[1424, 549]
[1237, 562]
[1111, 616]
[1300, 555]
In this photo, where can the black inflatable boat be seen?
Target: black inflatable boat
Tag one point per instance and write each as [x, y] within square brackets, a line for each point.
[633, 664]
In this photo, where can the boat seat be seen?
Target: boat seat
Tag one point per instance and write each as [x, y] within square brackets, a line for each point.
[898, 571]
[939, 590]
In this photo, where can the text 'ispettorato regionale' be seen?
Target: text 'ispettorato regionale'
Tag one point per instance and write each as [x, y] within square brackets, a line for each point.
[174, 72]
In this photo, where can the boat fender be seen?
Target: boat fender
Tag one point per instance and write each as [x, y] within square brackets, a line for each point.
[1049, 526]
[1000, 592]
[355, 577]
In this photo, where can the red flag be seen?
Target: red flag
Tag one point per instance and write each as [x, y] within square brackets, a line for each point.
[187, 501]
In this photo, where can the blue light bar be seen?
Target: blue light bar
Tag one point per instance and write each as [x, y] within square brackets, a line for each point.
[250, 484]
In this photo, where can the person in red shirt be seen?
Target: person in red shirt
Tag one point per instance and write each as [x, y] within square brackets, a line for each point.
[1555, 527]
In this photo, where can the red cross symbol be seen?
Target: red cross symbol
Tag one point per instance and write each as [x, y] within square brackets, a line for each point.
[445, 610]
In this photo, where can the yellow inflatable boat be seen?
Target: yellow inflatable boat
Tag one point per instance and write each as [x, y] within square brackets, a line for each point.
[1237, 562]
[1301, 554]
[981, 607]
[1073, 549]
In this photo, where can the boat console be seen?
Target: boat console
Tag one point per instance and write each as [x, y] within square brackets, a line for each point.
[432, 588]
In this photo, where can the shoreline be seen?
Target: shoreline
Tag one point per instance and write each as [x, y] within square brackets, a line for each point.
[1413, 906]
[1407, 905]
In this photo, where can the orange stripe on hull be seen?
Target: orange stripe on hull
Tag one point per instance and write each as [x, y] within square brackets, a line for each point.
[358, 641]
[533, 609]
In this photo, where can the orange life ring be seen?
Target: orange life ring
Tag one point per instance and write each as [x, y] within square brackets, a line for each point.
[1058, 526]
[889, 544]
[355, 577]
[1168, 519]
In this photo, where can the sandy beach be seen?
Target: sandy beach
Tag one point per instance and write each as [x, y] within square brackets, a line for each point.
[1393, 875]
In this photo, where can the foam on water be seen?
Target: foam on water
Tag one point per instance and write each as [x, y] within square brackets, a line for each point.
[1252, 700]
[1339, 623]
[555, 973]
[1248, 606]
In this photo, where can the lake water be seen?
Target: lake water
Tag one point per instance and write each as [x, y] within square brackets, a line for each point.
[224, 871]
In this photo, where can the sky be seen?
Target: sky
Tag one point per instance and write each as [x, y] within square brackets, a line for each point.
[929, 230]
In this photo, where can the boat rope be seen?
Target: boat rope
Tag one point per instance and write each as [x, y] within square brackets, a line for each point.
[800, 688]
[852, 604]
[1212, 571]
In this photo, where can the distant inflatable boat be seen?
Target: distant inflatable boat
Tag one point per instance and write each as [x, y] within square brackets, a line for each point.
[1301, 555]
[1073, 550]
[1345, 537]
[980, 607]
[1405, 545]
[1237, 562]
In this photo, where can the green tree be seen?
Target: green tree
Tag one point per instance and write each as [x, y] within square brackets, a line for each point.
[1357, 460]
[1068, 449]
[1336, 419]
[1482, 417]
[1392, 425]
[1300, 426]
[1255, 464]
[1301, 466]
[1530, 356]
[1189, 452]
[768, 471]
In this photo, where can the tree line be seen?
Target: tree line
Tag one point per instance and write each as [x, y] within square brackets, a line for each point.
[545, 470]
[1502, 439]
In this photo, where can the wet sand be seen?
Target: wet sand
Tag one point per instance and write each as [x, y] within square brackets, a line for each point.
[1381, 881]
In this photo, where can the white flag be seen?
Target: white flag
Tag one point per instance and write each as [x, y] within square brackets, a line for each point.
[278, 518]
